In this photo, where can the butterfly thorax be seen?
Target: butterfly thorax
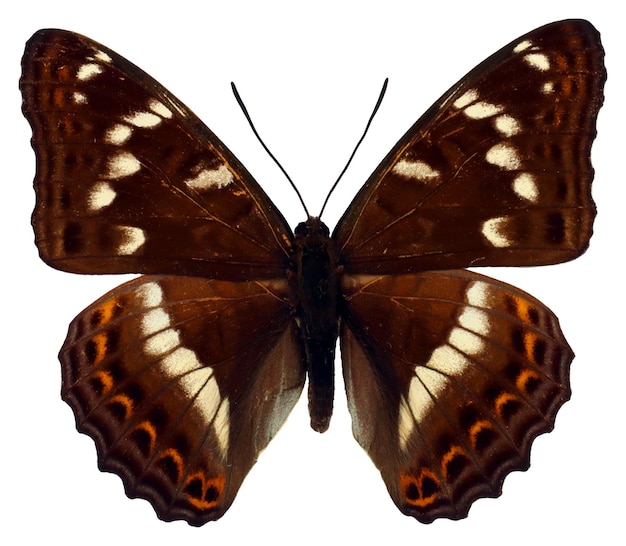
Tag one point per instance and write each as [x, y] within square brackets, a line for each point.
[315, 284]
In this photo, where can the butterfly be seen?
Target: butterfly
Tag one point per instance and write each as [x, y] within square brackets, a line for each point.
[183, 375]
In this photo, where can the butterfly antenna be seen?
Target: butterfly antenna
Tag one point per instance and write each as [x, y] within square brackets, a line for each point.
[256, 133]
[369, 122]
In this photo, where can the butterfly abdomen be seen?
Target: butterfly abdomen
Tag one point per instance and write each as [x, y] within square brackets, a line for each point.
[316, 287]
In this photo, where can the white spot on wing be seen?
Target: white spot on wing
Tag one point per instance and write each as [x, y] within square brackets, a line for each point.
[416, 169]
[475, 320]
[222, 426]
[154, 321]
[100, 196]
[202, 385]
[162, 343]
[481, 110]
[432, 380]
[179, 362]
[466, 98]
[150, 294]
[88, 71]
[547, 88]
[478, 294]
[540, 61]
[102, 56]
[145, 120]
[118, 134]
[503, 155]
[493, 230]
[525, 186]
[522, 46]
[211, 178]
[414, 409]
[123, 164]
[405, 422]
[132, 239]
[194, 381]
[447, 359]
[79, 98]
[160, 109]
[419, 399]
[507, 125]
[466, 342]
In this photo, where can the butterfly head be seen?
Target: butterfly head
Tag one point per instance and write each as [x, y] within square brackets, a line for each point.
[313, 229]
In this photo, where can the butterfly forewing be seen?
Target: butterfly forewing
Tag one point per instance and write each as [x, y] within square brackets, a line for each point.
[497, 172]
[182, 384]
[130, 180]
[449, 401]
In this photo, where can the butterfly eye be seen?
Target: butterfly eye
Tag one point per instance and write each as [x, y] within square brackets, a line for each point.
[313, 228]
[301, 230]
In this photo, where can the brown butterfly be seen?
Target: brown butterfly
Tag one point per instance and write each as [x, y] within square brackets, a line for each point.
[185, 374]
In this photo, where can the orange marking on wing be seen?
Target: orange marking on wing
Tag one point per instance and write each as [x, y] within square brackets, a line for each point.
[449, 456]
[476, 429]
[125, 401]
[104, 380]
[107, 311]
[524, 378]
[415, 489]
[100, 343]
[174, 456]
[501, 401]
[523, 309]
[529, 345]
[149, 429]
[202, 493]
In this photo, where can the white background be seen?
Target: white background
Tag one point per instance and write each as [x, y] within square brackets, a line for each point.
[309, 76]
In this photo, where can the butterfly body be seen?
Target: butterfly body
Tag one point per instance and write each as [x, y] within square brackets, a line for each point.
[183, 375]
[316, 287]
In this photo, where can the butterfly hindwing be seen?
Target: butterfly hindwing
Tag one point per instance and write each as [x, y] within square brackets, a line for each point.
[122, 166]
[182, 384]
[449, 400]
[497, 172]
